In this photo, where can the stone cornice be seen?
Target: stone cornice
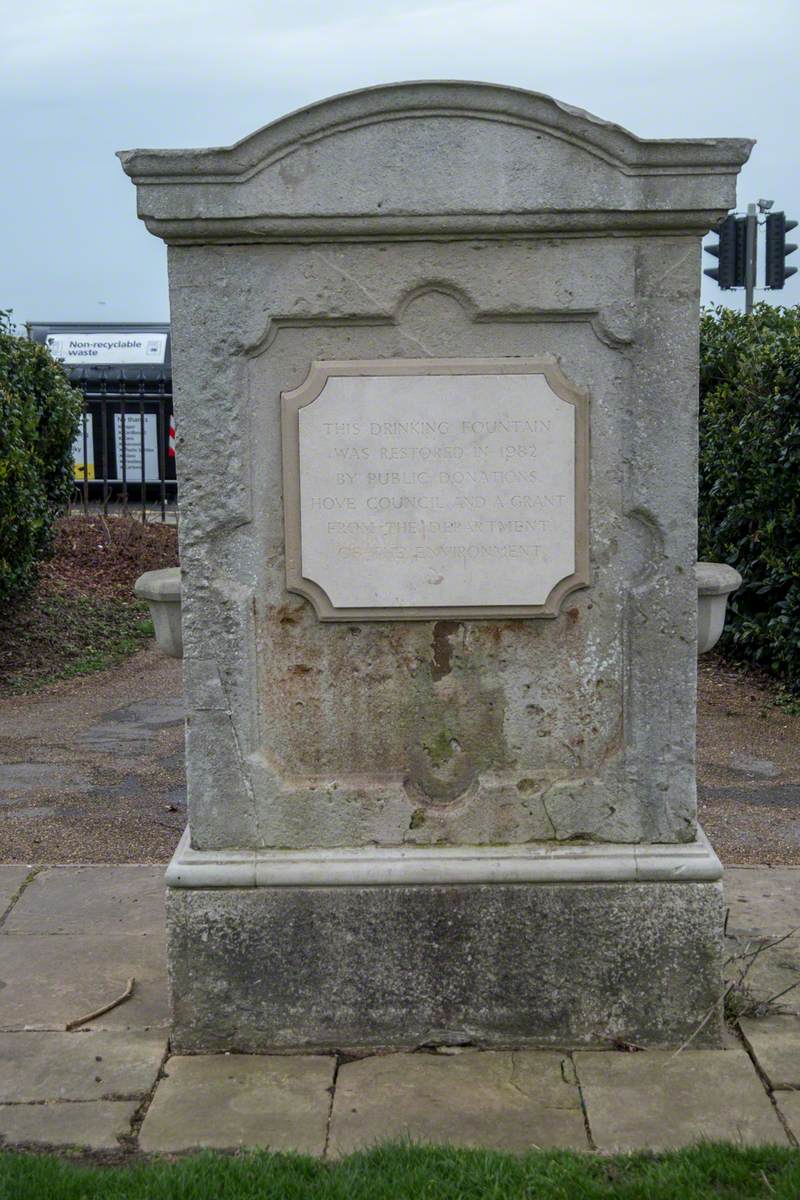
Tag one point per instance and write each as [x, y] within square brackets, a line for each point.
[372, 866]
[556, 169]
[534, 110]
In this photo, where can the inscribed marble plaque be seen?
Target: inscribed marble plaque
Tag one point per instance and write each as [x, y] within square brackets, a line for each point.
[435, 487]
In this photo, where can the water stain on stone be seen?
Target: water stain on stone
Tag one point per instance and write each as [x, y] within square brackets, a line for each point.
[442, 659]
[286, 616]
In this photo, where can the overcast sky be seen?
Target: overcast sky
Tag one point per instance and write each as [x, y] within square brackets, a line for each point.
[80, 79]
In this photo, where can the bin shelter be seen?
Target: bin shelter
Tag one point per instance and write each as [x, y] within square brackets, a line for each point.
[122, 447]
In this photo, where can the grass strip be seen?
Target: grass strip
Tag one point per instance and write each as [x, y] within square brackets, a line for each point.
[61, 635]
[413, 1172]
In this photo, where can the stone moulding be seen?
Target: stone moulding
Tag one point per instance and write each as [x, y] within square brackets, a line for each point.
[267, 186]
[541, 863]
[311, 389]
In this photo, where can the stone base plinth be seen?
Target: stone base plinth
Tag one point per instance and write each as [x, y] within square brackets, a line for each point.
[540, 946]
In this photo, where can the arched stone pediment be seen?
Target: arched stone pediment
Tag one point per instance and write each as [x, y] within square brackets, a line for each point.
[433, 159]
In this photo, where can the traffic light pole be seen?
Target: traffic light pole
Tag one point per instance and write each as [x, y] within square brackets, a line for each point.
[750, 258]
[737, 252]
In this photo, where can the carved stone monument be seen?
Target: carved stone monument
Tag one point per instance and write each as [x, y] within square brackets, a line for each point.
[435, 354]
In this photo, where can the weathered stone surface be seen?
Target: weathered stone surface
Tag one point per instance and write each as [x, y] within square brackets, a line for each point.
[483, 713]
[655, 1101]
[223, 1101]
[48, 981]
[96, 1125]
[78, 1066]
[221, 790]
[12, 877]
[318, 967]
[499, 1100]
[364, 733]
[492, 224]
[121, 898]
[775, 1042]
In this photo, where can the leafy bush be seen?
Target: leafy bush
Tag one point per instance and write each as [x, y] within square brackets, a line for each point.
[39, 415]
[750, 477]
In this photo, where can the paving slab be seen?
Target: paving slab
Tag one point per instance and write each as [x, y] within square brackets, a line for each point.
[501, 1100]
[12, 877]
[763, 900]
[775, 1042]
[47, 981]
[777, 795]
[655, 1101]
[96, 1125]
[132, 729]
[78, 1066]
[22, 778]
[123, 898]
[749, 764]
[28, 812]
[764, 905]
[229, 1100]
[789, 1105]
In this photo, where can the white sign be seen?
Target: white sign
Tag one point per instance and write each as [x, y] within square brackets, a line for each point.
[108, 348]
[437, 490]
[83, 467]
[133, 447]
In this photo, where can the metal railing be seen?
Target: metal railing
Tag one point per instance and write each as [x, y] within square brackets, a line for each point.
[121, 452]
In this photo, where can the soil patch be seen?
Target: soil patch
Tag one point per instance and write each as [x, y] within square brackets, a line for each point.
[82, 616]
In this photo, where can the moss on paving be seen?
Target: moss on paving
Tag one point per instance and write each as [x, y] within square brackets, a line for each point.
[407, 1172]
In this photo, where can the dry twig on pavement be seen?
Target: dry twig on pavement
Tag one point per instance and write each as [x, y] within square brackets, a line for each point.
[98, 1012]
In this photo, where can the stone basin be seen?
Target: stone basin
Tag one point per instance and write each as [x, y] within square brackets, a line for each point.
[162, 591]
[715, 582]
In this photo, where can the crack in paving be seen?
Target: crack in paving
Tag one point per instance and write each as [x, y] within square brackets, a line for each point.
[584, 1109]
[130, 1141]
[110, 1098]
[332, 1090]
[34, 871]
[764, 1078]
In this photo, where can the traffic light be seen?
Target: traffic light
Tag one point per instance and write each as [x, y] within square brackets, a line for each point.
[730, 251]
[776, 271]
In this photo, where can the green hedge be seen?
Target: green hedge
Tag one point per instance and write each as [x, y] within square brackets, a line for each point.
[39, 415]
[750, 477]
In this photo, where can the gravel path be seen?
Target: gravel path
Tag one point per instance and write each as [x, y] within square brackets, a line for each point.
[748, 768]
[91, 770]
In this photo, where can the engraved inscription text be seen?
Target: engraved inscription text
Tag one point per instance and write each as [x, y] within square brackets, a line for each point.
[437, 490]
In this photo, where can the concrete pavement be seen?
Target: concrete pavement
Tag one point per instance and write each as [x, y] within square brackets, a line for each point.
[70, 938]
